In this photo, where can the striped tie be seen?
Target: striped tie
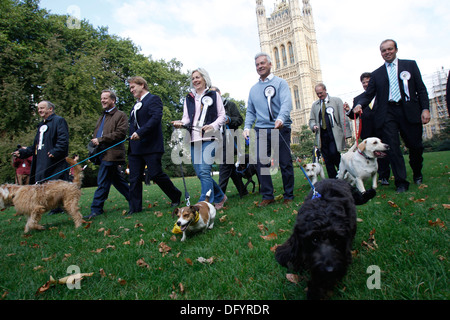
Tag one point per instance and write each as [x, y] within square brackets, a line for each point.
[393, 83]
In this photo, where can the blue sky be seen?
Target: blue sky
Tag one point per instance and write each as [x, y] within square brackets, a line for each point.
[222, 36]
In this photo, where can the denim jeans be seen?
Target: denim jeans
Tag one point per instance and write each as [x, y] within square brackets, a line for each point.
[202, 154]
[108, 174]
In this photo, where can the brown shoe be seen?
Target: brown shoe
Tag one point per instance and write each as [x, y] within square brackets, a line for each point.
[265, 202]
[219, 205]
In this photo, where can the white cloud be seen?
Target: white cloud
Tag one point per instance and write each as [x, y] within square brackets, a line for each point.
[222, 36]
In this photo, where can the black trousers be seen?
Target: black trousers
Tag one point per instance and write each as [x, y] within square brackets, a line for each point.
[329, 151]
[137, 165]
[411, 133]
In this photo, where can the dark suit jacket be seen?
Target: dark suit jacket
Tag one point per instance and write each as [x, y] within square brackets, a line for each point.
[379, 87]
[149, 118]
[368, 128]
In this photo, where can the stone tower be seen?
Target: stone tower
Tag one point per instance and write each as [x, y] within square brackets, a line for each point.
[289, 37]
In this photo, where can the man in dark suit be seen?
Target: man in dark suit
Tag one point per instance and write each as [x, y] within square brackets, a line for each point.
[402, 107]
[369, 127]
[146, 145]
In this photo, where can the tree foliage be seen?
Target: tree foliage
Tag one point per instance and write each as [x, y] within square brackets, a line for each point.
[44, 58]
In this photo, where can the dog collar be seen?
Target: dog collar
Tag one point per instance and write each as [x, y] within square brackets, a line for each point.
[197, 217]
[364, 155]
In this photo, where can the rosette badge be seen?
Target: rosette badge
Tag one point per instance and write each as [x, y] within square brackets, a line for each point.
[207, 101]
[270, 92]
[405, 76]
[42, 129]
[136, 107]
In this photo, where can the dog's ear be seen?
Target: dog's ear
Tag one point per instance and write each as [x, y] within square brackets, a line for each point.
[4, 192]
[362, 145]
[175, 212]
[289, 254]
[304, 165]
[195, 208]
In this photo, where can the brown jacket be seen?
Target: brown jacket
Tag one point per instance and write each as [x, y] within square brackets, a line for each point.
[114, 130]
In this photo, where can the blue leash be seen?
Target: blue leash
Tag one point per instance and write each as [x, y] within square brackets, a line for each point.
[78, 163]
[316, 194]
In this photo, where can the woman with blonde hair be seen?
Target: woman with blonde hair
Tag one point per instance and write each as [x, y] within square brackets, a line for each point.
[203, 115]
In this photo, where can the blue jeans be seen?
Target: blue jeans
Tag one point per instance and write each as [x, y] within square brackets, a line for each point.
[108, 174]
[202, 154]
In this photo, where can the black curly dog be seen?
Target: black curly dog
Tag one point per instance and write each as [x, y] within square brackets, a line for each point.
[323, 235]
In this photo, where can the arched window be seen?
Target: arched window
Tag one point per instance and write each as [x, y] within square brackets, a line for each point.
[284, 55]
[277, 57]
[291, 53]
[297, 98]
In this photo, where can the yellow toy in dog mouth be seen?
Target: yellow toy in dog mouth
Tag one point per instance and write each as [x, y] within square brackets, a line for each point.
[177, 229]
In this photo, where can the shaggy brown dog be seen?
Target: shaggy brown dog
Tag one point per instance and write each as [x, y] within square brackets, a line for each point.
[35, 200]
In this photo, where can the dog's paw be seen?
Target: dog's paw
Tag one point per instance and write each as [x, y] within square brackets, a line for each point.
[362, 197]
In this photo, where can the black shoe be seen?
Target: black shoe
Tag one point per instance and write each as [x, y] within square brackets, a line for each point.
[91, 216]
[245, 193]
[418, 181]
[175, 204]
[56, 211]
[402, 189]
[384, 181]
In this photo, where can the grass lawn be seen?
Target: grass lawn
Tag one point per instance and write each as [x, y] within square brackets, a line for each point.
[404, 235]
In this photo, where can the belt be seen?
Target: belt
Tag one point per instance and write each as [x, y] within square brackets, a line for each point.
[394, 103]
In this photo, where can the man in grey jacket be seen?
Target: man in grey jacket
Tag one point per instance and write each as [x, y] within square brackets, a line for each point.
[331, 125]
[111, 128]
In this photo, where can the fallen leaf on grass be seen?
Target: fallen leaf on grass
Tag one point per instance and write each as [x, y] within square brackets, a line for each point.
[188, 261]
[274, 248]
[72, 279]
[271, 236]
[141, 263]
[438, 223]
[164, 248]
[392, 204]
[371, 243]
[88, 224]
[292, 278]
[446, 206]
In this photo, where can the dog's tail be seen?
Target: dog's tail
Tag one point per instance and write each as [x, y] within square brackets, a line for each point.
[77, 172]
[208, 194]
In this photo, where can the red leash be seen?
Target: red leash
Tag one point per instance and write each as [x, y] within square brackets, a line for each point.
[358, 132]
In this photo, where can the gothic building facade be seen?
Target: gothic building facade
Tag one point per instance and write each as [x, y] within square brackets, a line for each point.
[289, 37]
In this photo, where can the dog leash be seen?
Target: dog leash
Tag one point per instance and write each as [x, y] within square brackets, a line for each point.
[78, 163]
[187, 197]
[316, 194]
[358, 132]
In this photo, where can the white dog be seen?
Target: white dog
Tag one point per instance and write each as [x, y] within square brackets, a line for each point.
[313, 171]
[361, 163]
